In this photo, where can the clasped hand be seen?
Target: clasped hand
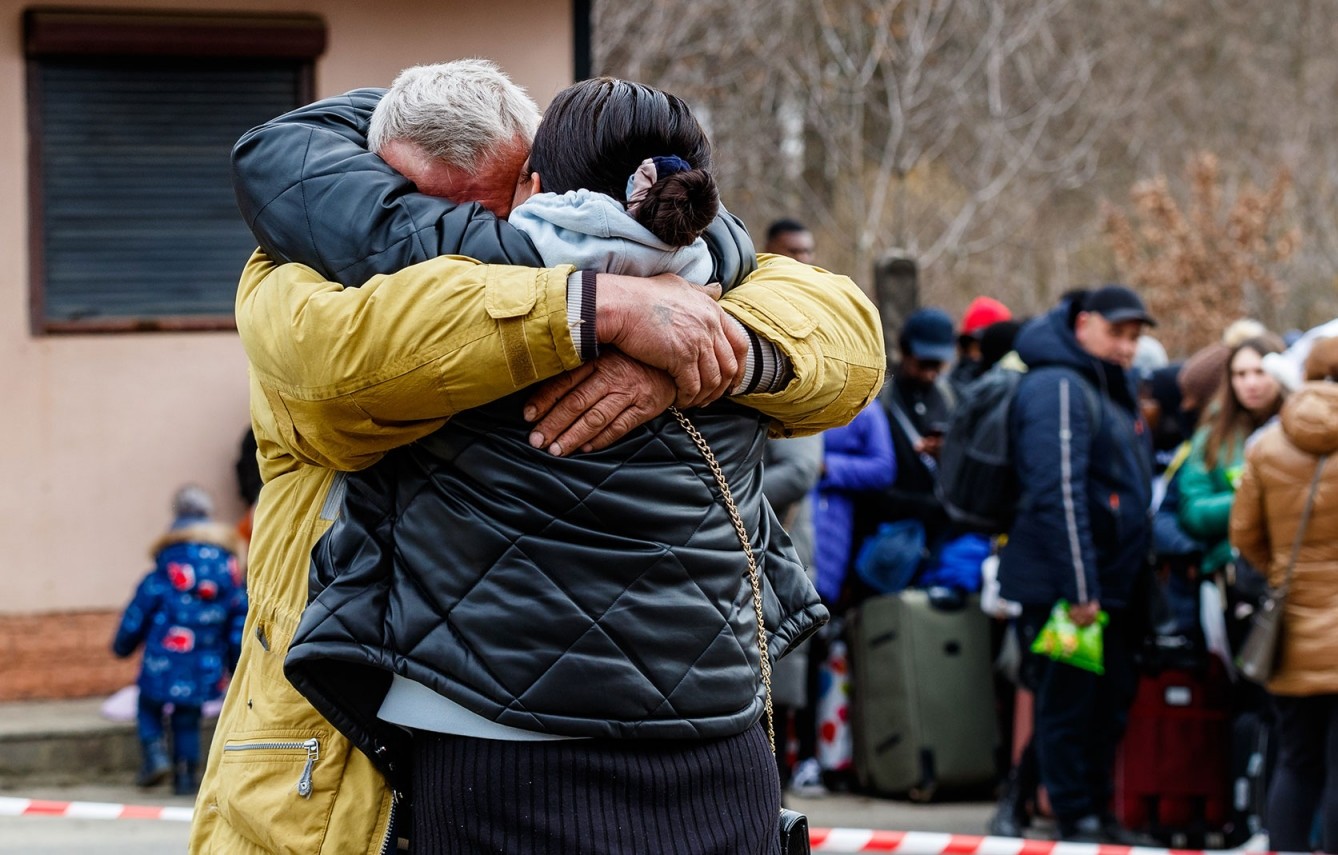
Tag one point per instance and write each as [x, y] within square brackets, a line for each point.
[663, 341]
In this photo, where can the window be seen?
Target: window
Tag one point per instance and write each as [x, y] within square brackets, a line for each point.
[131, 120]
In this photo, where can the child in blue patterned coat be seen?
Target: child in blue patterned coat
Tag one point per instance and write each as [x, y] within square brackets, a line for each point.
[188, 613]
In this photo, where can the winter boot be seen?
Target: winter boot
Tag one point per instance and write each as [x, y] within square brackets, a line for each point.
[1010, 816]
[156, 766]
[184, 782]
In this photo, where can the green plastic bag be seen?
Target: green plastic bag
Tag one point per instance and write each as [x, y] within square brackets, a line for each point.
[1064, 641]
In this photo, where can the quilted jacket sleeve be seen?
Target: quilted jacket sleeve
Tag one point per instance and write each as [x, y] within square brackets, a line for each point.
[346, 374]
[311, 192]
[830, 332]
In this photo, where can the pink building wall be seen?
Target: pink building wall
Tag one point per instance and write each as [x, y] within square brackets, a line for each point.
[97, 430]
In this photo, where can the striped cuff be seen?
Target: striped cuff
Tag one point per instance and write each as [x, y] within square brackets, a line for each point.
[581, 313]
[766, 370]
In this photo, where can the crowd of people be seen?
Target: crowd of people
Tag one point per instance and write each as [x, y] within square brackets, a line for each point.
[459, 594]
[1159, 497]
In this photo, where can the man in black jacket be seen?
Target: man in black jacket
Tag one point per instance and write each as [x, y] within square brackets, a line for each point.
[1081, 535]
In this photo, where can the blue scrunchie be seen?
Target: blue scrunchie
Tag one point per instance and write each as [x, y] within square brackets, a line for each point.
[651, 170]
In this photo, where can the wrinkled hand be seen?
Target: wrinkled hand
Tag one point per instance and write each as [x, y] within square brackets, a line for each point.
[598, 403]
[1084, 614]
[675, 326]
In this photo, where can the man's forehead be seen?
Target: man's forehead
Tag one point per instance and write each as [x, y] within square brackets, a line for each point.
[1121, 329]
[1127, 329]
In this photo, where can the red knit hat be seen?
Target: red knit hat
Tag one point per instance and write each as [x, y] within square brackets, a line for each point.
[982, 312]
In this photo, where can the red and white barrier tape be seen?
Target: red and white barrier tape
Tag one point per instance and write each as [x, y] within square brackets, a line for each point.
[823, 839]
[92, 810]
[932, 843]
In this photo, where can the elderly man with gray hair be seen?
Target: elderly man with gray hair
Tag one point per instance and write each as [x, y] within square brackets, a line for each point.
[385, 329]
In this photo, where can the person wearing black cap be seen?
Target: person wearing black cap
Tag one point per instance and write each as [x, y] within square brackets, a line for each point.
[1081, 535]
[918, 410]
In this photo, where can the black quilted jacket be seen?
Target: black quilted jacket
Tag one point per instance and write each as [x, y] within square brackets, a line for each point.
[601, 595]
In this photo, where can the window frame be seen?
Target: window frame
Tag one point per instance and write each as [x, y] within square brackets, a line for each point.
[65, 33]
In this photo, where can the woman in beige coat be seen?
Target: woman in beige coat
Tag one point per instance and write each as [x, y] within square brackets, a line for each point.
[1265, 517]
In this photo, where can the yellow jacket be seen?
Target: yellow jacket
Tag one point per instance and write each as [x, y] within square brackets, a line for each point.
[341, 376]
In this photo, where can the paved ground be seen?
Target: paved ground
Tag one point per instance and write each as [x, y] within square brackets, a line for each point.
[53, 835]
[50, 835]
[65, 751]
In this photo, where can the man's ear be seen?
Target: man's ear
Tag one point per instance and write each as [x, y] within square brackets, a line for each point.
[534, 180]
[1081, 322]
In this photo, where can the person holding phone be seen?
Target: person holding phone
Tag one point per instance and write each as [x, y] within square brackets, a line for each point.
[918, 409]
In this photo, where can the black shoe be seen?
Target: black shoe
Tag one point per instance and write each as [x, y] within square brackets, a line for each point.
[1004, 824]
[1085, 830]
[1010, 816]
[156, 766]
[183, 781]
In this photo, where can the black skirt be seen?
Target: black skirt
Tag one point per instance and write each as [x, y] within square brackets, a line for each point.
[595, 796]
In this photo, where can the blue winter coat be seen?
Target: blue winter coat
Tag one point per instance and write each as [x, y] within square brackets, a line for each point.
[188, 613]
[1086, 536]
[856, 458]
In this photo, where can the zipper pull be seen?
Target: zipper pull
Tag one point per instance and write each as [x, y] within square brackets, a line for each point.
[313, 747]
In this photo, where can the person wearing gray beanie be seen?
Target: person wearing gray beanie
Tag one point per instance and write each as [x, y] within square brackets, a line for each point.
[191, 503]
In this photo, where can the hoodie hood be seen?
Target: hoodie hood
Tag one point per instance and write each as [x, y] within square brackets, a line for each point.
[593, 231]
[1048, 340]
[1310, 418]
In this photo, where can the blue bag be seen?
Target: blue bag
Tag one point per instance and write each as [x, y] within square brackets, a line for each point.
[890, 557]
[956, 564]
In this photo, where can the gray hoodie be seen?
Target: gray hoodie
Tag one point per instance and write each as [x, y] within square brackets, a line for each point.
[594, 232]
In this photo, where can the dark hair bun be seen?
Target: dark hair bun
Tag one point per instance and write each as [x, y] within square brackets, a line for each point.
[679, 207]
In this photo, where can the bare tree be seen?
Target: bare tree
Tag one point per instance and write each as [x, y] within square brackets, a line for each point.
[983, 137]
[903, 123]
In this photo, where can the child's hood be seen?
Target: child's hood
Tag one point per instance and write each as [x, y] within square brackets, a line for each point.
[209, 533]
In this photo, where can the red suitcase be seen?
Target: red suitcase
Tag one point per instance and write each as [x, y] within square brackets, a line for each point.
[1173, 773]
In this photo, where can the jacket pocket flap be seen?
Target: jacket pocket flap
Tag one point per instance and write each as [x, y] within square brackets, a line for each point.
[510, 293]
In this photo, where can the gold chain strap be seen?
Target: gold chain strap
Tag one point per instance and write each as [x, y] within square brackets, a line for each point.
[753, 576]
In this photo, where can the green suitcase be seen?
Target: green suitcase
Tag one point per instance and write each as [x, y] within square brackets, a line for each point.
[923, 703]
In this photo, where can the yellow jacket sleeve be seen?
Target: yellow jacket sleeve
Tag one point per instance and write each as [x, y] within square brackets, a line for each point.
[347, 374]
[829, 330]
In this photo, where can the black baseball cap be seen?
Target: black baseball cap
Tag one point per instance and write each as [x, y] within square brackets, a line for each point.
[929, 334]
[1117, 304]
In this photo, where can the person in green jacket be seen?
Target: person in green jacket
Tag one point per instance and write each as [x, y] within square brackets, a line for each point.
[1208, 481]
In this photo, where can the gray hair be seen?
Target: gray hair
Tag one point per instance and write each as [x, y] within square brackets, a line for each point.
[457, 112]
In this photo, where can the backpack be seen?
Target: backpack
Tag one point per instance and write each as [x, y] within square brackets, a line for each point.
[977, 481]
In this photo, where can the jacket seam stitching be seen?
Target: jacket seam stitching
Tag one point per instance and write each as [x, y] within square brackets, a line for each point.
[1066, 471]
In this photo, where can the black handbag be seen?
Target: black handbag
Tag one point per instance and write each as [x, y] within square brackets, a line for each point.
[1258, 659]
[794, 837]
